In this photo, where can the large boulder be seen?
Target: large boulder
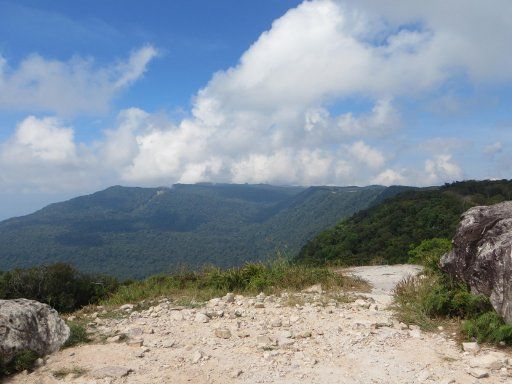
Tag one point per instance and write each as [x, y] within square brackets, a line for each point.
[482, 254]
[29, 325]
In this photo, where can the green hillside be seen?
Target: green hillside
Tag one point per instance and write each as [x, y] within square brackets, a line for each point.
[136, 232]
[386, 232]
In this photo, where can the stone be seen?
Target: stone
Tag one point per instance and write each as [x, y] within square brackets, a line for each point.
[196, 357]
[317, 288]
[492, 361]
[168, 343]
[478, 373]
[201, 318]
[110, 371]
[276, 323]
[481, 254]
[229, 298]
[126, 307]
[472, 347]
[135, 342]
[259, 305]
[223, 333]
[236, 373]
[30, 325]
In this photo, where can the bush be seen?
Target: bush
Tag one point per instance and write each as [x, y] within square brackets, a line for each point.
[78, 335]
[429, 253]
[58, 285]
[488, 327]
[24, 360]
[426, 299]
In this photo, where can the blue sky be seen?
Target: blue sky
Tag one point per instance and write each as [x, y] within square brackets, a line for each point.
[339, 92]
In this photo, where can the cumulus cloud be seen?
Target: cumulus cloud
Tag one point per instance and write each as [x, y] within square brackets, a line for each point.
[270, 117]
[68, 87]
[442, 169]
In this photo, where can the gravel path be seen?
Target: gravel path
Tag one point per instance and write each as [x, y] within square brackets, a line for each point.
[302, 338]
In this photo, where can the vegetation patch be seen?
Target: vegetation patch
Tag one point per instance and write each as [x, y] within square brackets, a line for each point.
[433, 298]
[58, 285]
[62, 373]
[195, 287]
[23, 360]
[78, 334]
[384, 233]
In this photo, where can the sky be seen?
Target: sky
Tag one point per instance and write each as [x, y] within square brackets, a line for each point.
[286, 92]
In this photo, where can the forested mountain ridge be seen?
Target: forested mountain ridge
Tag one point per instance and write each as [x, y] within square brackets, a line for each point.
[136, 232]
[387, 231]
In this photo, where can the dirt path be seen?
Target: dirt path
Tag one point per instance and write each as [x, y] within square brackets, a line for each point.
[304, 338]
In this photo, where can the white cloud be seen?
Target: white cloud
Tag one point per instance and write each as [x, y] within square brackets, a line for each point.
[442, 169]
[75, 86]
[367, 155]
[494, 148]
[389, 177]
[270, 118]
[40, 140]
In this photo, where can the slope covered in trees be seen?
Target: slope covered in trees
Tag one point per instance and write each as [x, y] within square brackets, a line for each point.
[386, 232]
[136, 232]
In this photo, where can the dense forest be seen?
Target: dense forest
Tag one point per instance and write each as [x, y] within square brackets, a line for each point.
[136, 232]
[385, 233]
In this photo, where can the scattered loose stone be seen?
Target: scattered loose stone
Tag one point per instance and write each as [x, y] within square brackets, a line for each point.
[478, 373]
[223, 333]
[201, 318]
[471, 347]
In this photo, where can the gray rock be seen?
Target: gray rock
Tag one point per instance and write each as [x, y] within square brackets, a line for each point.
[29, 325]
[481, 254]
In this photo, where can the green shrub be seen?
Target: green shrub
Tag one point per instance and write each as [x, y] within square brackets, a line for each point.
[23, 360]
[488, 327]
[58, 285]
[78, 334]
[429, 252]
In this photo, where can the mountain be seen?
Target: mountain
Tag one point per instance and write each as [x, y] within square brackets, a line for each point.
[386, 232]
[136, 232]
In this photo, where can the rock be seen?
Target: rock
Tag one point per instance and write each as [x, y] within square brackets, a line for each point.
[111, 371]
[317, 288]
[229, 298]
[135, 342]
[471, 347]
[168, 343]
[135, 332]
[492, 361]
[481, 254]
[276, 323]
[259, 305]
[236, 373]
[196, 357]
[201, 318]
[223, 333]
[126, 307]
[362, 303]
[115, 339]
[478, 373]
[29, 325]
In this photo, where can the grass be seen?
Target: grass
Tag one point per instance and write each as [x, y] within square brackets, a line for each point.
[64, 372]
[431, 300]
[24, 360]
[191, 288]
[78, 334]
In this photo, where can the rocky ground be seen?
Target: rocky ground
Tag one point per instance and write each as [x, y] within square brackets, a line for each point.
[311, 337]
